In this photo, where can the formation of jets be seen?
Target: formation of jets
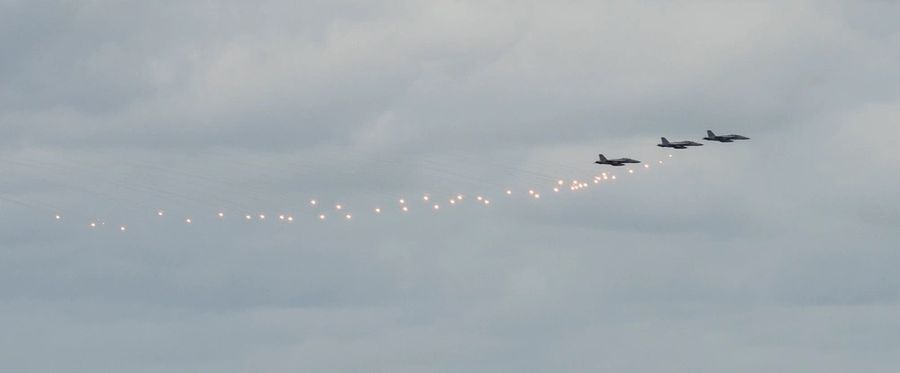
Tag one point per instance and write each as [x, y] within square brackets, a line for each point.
[665, 143]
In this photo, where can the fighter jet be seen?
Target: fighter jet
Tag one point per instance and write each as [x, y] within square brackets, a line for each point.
[678, 144]
[710, 136]
[615, 162]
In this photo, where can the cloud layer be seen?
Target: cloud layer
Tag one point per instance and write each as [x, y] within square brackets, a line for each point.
[774, 254]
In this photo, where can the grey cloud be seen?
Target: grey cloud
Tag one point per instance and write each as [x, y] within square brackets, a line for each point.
[774, 254]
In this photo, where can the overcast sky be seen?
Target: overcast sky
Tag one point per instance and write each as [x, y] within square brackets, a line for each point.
[777, 254]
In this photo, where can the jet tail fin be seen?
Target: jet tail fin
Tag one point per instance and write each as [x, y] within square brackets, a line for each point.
[602, 158]
[710, 133]
[664, 141]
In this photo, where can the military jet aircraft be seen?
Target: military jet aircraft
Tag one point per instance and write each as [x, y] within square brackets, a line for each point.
[615, 162]
[710, 136]
[677, 144]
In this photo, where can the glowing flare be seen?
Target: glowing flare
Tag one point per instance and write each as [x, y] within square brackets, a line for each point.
[338, 207]
[560, 182]
[613, 177]
[452, 201]
[160, 213]
[487, 202]
[322, 217]
[556, 190]
[508, 192]
[262, 217]
[248, 217]
[290, 218]
[531, 191]
[660, 162]
[221, 214]
[437, 207]
[313, 202]
[188, 221]
[459, 197]
[122, 228]
[402, 201]
[281, 217]
[646, 166]
[480, 198]
[93, 225]
[405, 209]
[377, 210]
[630, 171]
[426, 198]
[537, 196]
[58, 217]
[348, 216]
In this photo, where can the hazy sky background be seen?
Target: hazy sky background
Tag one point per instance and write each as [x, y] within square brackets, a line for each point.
[778, 254]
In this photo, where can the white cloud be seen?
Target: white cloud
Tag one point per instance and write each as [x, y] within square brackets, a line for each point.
[740, 257]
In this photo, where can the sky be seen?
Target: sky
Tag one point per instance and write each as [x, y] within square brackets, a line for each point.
[774, 254]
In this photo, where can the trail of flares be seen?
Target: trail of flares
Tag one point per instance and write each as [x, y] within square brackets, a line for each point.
[294, 208]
